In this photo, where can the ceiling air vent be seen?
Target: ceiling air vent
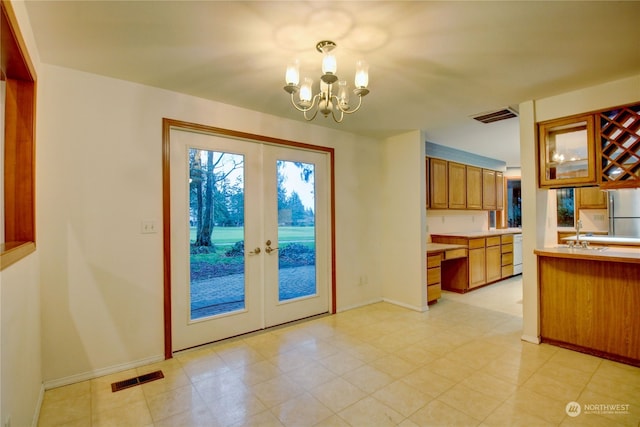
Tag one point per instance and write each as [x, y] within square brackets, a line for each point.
[496, 116]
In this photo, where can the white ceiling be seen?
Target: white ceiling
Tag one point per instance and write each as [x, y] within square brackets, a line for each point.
[432, 64]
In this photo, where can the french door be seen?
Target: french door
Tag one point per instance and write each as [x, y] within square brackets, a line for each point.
[250, 236]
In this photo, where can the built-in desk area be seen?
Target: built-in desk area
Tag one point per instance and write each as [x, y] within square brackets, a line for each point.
[437, 255]
[488, 256]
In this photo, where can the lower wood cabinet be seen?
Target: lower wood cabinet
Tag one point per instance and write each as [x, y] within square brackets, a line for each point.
[434, 278]
[494, 259]
[477, 262]
[591, 305]
[506, 247]
[488, 259]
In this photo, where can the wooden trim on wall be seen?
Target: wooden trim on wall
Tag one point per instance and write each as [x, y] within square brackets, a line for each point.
[19, 141]
[167, 125]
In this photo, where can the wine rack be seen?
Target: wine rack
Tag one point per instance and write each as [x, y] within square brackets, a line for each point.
[619, 165]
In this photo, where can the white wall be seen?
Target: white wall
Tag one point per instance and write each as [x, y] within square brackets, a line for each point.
[453, 221]
[21, 353]
[538, 214]
[403, 231]
[99, 175]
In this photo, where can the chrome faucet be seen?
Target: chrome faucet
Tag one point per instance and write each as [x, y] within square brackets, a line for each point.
[578, 228]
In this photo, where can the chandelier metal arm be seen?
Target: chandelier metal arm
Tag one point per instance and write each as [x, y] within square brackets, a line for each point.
[315, 113]
[349, 110]
[333, 115]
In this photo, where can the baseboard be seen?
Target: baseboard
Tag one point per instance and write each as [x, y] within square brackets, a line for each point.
[410, 307]
[36, 414]
[351, 307]
[530, 338]
[101, 372]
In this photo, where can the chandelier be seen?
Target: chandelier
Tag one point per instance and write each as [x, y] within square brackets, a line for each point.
[333, 97]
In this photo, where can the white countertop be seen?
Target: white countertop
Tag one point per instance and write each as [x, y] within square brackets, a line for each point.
[483, 233]
[606, 240]
[615, 254]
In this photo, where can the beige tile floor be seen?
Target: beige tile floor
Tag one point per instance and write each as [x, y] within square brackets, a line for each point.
[460, 363]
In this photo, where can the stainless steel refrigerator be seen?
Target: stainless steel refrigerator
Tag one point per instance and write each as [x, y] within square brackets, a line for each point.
[624, 212]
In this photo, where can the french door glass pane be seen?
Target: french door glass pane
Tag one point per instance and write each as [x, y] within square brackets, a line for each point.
[216, 223]
[296, 230]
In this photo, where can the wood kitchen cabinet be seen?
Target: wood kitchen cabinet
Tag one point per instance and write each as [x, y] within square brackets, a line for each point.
[433, 277]
[487, 259]
[506, 248]
[489, 201]
[599, 148]
[493, 256]
[457, 185]
[438, 184]
[477, 262]
[619, 147]
[591, 198]
[474, 187]
[590, 303]
[499, 191]
[567, 152]
[452, 185]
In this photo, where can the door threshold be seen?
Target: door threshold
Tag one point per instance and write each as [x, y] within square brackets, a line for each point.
[254, 333]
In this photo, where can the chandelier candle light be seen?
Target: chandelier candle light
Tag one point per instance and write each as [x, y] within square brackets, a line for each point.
[333, 97]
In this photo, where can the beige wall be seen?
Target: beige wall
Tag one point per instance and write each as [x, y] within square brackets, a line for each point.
[21, 352]
[99, 175]
[403, 231]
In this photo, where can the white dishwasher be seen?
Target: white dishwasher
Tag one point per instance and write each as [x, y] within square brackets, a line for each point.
[517, 254]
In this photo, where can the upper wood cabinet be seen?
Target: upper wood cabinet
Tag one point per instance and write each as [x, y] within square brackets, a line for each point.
[567, 152]
[438, 184]
[452, 185]
[489, 190]
[499, 191]
[426, 161]
[457, 186]
[474, 187]
[591, 198]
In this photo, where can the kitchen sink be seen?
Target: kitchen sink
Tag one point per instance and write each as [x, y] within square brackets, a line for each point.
[586, 248]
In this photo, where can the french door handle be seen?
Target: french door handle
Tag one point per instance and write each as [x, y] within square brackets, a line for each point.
[256, 251]
[269, 249]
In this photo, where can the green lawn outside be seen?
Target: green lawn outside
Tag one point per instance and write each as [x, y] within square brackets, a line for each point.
[223, 236]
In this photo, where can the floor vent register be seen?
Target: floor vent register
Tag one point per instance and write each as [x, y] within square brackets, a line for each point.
[131, 382]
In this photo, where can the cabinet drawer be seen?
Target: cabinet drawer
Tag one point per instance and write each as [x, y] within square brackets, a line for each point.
[493, 241]
[507, 259]
[507, 248]
[433, 292]
[507, 238]
[455, 253]
[476, 243]
[433, 260]
[507, 271]
[433, 275]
